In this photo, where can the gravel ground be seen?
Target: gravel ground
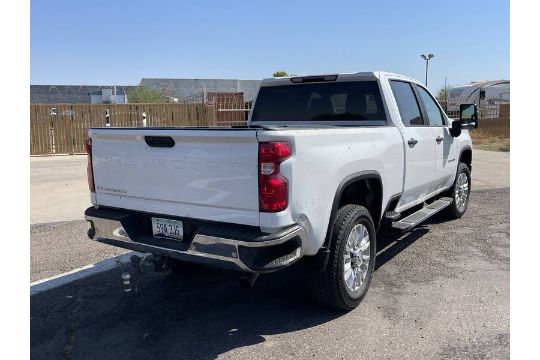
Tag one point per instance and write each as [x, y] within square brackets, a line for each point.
[440, 292]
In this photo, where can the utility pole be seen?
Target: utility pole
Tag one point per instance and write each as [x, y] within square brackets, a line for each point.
[445, 96]
[427, 57]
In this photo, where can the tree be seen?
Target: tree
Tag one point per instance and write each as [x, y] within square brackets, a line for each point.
[144, 94]
[442, 94]
[280, 73]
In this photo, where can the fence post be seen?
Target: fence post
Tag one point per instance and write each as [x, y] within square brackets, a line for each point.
[107, 118]
[72, 128]
[52, 131]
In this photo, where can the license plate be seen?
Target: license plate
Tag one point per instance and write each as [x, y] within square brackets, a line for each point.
[166, 228]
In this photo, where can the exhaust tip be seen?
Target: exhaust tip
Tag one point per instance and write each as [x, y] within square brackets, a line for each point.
[91, 233]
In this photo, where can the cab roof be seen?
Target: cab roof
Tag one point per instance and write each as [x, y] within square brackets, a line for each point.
[374, 75]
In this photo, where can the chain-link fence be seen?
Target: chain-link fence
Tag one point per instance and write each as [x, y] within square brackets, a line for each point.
[486, 110]
[493, 132]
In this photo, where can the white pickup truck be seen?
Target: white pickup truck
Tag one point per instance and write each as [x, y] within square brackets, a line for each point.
[323, 162]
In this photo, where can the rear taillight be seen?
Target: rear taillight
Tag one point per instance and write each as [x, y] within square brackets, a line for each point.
[273, 187]
[89, 168]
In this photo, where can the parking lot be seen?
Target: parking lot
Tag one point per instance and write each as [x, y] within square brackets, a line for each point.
[441, 291]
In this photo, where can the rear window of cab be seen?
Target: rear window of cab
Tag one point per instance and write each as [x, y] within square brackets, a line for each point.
[336, 101]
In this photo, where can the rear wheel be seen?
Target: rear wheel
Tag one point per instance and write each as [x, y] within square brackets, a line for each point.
[460, 192]
[346, 279]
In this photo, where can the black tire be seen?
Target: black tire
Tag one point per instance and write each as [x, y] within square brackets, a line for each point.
[329, 286]
[457, 209]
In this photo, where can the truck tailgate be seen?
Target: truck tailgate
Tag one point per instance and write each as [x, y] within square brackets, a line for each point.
[207, 174]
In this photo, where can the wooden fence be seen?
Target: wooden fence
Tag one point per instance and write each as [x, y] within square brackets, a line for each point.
[62, 128]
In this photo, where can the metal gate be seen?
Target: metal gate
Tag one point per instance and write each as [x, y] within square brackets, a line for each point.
[231, 108]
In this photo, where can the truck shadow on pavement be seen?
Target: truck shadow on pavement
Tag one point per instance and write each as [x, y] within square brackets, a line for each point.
[390, 243]
[198, 315]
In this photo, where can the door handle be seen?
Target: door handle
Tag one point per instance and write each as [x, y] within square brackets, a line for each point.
[439, 139]
[412, 141]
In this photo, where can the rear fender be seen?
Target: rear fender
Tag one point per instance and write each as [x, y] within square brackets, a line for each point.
[320, 260]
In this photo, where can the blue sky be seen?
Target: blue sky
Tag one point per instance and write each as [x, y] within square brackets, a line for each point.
[119, 42]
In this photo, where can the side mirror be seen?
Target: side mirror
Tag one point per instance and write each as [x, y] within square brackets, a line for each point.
[468, 116]
[455, 130]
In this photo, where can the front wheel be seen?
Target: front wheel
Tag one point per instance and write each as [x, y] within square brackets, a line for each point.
[346, 279]
[460, 192]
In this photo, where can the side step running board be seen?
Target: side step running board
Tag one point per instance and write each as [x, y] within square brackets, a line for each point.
[392, 215]
[421, 215]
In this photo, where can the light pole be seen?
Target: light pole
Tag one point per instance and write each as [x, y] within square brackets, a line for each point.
[427, 58]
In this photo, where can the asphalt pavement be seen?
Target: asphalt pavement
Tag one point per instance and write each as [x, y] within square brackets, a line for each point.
[440, 292]
[59, 247]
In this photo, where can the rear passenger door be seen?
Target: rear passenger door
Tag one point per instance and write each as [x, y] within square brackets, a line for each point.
[419, 145]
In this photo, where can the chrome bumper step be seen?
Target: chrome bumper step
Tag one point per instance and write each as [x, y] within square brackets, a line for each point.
[226, 246]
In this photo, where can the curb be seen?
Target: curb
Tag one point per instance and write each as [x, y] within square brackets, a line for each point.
[42, 285]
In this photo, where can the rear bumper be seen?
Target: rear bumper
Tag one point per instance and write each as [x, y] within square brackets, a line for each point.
[218, 244]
